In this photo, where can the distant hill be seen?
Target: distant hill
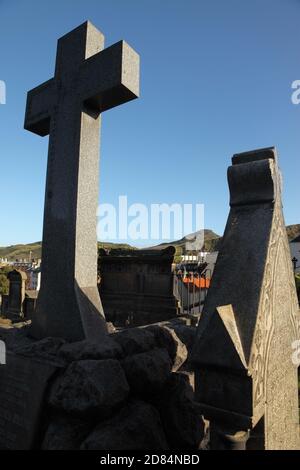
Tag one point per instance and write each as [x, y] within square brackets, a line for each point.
[34, 250]
[13, 252]
[118, 246]
[211, 243]
[212, 240]
[293, 231]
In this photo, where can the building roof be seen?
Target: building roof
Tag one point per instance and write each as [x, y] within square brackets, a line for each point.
[199, 282]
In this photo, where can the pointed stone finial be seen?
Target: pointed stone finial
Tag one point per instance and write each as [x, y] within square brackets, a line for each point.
[243, 352]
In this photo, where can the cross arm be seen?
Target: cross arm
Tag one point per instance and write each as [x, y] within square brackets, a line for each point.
[40, 101]
[111, 77]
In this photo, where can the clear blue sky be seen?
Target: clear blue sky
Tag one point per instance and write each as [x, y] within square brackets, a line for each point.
[215, 80]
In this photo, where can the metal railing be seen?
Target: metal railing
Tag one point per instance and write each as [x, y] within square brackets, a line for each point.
[191, 288]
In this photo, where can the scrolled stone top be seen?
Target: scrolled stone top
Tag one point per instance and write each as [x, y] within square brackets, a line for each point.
[268, 153]
[254, 177]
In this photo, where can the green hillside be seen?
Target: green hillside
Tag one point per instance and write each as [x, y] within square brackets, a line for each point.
[211, 243]
[119, 246]
[33, 250]
[293, 231]
[13, 252]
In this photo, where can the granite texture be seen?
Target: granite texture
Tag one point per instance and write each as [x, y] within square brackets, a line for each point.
[243, 349]
[87, 81]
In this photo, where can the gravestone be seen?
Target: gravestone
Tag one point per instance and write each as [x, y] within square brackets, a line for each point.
[4, 305]
[88, 80]
[246, 381]
[17, 280]
[29, 304]
[137, 286]
[24, 383]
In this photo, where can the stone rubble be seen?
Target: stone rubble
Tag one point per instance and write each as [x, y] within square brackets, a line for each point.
[122, 394]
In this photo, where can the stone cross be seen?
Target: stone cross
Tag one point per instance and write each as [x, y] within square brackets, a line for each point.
[245, 375]
[88, 80]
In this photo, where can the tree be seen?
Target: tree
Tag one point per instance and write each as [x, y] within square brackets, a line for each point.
[4, 283]
[178, 254]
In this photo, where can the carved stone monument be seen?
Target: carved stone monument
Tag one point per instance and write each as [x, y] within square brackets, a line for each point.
[24, 384]
[246, 381]
[137, 286]
[88, 80]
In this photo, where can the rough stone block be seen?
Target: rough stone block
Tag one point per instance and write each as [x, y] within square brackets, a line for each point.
[66, 432]
[136, 427]
[135, 341]
[147, 372]
[167, 338]
[181, 415]
[80, 350]
[45, 348]
[91, 388]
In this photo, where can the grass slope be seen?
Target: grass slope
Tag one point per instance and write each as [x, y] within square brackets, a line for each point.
[211, 243]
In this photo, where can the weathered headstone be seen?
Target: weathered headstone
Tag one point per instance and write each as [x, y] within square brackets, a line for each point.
[4, 305]
[87, 81]
[245, 377]
[137, 286]
[29, 304]
[23, 387]
[17, 280]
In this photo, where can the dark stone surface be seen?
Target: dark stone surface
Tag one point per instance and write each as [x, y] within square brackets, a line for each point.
[66, 432]
[91, 392]
[91, 388]
[243, 360]
[23, 386]
[17, 280]
[88, 80]
[135, 340]
[16, 338]
[106, 349]
[47, 348]
[147, 372]
[137, 286]
[186, 334]
[255, 155]
[167, 338]
[256, 179]
[136, 427]
[4, 305]
[181, 415]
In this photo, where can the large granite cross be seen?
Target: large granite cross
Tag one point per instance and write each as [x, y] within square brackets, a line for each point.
[87, 81]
